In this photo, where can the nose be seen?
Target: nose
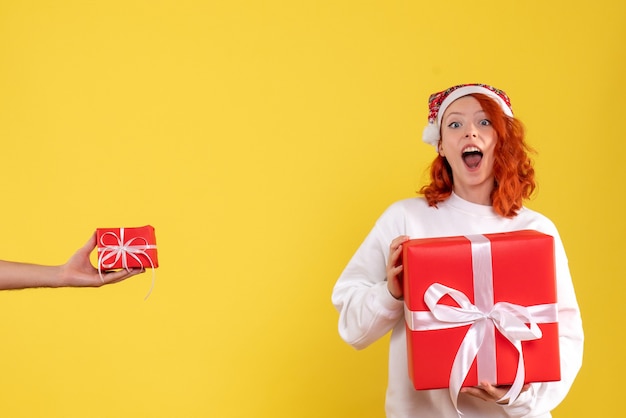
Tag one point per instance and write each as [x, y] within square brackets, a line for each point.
[470, 131]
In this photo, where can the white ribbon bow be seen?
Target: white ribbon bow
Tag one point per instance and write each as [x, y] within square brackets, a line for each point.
[510, 319]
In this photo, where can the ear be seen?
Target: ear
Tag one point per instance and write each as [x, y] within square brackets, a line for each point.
[440, 149]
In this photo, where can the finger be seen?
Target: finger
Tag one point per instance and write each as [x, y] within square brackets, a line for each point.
[395, 252]
[477, 393]
[394, 274]
[397, 242]
[90, 244]
[395, 270]
[487, 387]
[118, 276]
[496, 392]
[397, 249]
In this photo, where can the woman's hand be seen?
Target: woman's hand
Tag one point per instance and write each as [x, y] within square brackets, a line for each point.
[394, 267]
[79, 272]
[489, 392]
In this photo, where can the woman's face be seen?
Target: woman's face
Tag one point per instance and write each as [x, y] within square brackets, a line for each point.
[468, 141]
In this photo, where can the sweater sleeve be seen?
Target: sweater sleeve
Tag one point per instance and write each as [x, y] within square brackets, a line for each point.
[544, 397]
[367, 311]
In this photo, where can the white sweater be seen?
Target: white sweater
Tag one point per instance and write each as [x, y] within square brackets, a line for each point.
[367, 311]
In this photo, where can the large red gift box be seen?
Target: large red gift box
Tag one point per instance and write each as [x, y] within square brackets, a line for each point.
[477, 286]
[126, 248]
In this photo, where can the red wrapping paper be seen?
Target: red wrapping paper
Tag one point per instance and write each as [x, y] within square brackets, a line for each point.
[126, 248]
[523, 270]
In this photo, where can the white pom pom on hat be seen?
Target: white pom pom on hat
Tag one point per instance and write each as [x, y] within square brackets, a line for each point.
[439, 102]
[431, 134]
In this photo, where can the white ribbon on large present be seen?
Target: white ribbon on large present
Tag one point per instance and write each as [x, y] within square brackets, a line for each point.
[122, 250]
[484, 317]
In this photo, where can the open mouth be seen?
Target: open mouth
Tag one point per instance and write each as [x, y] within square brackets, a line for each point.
[472, 156]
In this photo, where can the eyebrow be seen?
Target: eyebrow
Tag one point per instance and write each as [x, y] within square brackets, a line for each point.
[462, 114]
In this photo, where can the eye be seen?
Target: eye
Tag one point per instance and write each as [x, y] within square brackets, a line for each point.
[454, 125]
[485, 122]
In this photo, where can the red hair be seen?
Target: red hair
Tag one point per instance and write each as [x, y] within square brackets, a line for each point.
[514, 175]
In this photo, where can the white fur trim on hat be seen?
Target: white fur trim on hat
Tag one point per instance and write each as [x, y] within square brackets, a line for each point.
[467, 90]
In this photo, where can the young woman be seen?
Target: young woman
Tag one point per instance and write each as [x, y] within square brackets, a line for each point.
[76, 272]
[479, 179]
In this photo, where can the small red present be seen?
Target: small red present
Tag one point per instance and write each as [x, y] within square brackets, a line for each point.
[481, 308]
[126, 248]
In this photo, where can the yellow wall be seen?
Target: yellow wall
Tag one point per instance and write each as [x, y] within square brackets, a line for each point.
[262, 139]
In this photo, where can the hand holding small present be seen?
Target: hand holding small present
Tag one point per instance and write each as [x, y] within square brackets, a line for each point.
[76, 272]
[79, 272]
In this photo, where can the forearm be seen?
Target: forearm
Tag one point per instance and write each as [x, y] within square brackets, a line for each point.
[367, 309]
[15, 275]
[366, 313]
